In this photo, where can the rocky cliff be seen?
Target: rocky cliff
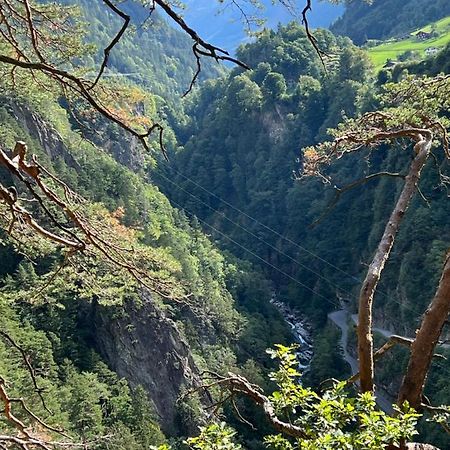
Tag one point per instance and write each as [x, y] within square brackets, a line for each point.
[144, 346]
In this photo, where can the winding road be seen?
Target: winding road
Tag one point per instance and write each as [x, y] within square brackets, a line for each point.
[341, 319]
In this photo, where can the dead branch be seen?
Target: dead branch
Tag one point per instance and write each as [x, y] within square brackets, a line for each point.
[239, 415]
[392, 342]
[28, 365]
[204, 48]
[25, 438]
[240, 385]
[17, 423]
[18, 27]
[310, 36]
[115, 40]
[88, 240]
[82, 88]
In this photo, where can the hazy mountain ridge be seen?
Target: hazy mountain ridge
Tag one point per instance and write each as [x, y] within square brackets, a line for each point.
[224, 25]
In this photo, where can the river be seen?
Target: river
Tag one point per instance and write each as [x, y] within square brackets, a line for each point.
[301, 331]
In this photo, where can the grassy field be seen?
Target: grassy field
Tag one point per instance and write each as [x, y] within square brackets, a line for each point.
[393, 49]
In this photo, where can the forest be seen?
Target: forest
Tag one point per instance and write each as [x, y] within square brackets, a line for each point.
[218, 248]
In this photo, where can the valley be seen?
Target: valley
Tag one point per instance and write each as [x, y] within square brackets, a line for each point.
[185, 230]
[299, 330]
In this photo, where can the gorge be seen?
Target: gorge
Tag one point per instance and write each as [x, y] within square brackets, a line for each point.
[155, 245]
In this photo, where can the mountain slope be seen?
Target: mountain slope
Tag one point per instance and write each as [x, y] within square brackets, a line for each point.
[382, 19]
[90, 316]
[419, 44]
[152, 54]
[235, 174]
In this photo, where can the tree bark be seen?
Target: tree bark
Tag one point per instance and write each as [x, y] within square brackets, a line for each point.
[422, 349]
[365, 340]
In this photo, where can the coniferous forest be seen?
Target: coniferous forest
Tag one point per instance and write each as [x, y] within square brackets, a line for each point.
[209, 248]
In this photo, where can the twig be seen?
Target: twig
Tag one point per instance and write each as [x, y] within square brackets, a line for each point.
[339, 191]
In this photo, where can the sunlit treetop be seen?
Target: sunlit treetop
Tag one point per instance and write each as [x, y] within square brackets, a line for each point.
[413, 109]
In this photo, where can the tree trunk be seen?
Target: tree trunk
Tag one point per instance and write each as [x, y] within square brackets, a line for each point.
[414, 446]
[365, 340]
[425, 342]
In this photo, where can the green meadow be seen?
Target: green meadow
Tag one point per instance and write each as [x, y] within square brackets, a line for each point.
[392, 49]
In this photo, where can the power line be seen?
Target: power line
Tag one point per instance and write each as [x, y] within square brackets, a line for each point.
[257, 256]
[261, 224]
[258, 237]
[379, 292]
[438, 364]
[442, 367]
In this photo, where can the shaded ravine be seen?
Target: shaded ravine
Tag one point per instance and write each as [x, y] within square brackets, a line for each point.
[341, 320]
[300, 330]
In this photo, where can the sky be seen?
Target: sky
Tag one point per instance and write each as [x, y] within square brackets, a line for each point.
[223, 26]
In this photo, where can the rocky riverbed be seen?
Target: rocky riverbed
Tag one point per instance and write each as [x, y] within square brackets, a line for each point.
[301, 331]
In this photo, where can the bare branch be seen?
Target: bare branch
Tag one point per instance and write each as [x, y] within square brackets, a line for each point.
[89, 239]
[348, 187]
[30, 368]
[204, 48]
[310, 36]
[114, 42]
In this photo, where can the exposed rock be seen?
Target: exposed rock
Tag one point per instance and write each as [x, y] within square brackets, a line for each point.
[48, 138]
[415, 446]
[144, 346]
[275, 125]
[125, 149]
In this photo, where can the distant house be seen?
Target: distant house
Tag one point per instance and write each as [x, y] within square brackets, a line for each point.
[389, 63]
[423, 35]
[431, 51]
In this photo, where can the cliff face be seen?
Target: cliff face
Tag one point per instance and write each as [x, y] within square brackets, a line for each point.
[144, 346]
[47, 137]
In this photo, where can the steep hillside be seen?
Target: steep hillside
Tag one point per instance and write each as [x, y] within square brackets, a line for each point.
[235, 174]
[79, 323]
[128, 278]
[286, 103]
[229, 173]
[382, 19]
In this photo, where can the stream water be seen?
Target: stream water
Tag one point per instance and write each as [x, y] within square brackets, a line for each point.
[301, 332]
